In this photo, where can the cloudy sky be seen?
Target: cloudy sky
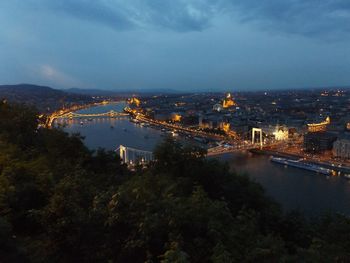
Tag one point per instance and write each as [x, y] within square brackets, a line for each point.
[175, 44]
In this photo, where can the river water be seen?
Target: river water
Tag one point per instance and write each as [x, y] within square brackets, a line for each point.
[293, 188]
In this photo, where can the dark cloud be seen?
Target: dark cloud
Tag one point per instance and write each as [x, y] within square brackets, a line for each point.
[305, 17]
[94, 10]
[180, 16]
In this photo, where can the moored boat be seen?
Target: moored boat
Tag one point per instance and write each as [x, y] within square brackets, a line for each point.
[302, 165]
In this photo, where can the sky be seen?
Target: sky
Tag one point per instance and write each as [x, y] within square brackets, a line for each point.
[185, 45]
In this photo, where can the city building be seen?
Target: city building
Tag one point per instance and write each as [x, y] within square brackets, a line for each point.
[341, 148]
[218, 107]
[281, 134]
[207, 123]
[225, 126]
[175, 117]
[319, 127]
[228, 101]
[162, 115]
[319, 141]
[135, 101]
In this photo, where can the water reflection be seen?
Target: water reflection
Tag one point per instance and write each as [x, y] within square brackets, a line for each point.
[294, 188]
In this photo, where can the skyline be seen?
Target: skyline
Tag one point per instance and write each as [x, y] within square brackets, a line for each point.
[179, 45]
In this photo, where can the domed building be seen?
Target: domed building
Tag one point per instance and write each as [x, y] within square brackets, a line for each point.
[228, 101]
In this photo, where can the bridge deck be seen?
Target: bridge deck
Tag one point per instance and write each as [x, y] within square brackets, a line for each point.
[80, 115]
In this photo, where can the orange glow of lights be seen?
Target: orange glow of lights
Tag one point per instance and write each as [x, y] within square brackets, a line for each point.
[228, 101]
[225, 127]
[318, 127]
[135, 101]
[176, 117]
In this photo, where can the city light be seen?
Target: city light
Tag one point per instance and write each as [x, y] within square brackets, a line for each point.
[318, 127]
[281, 135]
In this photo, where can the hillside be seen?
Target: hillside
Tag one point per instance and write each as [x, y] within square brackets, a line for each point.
[92, 92]
[46, 99]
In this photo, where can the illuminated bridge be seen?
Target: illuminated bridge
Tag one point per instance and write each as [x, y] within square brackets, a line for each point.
[132, 156]
[111, 113]
[71, 115]
[236, 147]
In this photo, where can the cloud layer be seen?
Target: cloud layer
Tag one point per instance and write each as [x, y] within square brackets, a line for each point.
[311, 17]
[176, 44]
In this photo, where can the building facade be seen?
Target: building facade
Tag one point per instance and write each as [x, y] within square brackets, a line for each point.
[341, 148]
[319, 141]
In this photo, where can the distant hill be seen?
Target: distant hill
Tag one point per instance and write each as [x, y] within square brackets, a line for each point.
[46, 99]
[92, 92]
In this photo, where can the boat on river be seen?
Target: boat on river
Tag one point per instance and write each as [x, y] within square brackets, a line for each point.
[302, 165]
[134, 121]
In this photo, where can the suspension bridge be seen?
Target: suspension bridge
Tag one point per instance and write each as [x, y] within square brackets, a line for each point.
[132, 156]
[72, 115]
[111, 114]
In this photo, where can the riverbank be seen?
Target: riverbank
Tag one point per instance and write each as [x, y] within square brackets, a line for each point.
[176, 127]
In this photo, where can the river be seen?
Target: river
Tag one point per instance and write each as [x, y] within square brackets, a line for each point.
[292, 187]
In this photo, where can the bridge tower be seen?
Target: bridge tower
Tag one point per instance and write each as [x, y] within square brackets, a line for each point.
[132, 156]
[254, 131]
[123, 153]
